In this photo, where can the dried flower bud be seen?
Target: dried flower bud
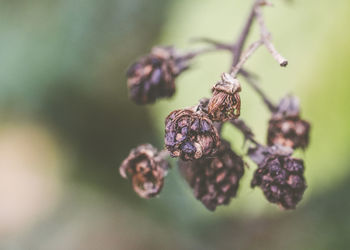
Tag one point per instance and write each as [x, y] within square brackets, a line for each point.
[286, 128]
[280, 177]
[225, 104]
[190, 134]
[153, 76]
[146, 168]
[214, 180]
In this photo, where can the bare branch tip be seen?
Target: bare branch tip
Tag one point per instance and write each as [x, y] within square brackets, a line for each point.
[284, 63]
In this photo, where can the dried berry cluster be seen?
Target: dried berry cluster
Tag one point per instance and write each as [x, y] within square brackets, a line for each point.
[281, 179]
[214, 180]
[280, 176]
[190, 135]
[286, 127]
[153, 76]
[193, 135]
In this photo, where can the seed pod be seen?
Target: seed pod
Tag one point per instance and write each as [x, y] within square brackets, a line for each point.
[225, 104]
[214, 180]
[146, 169]
[280, 177]
[286, 128]
[153, 76]
[190, 134]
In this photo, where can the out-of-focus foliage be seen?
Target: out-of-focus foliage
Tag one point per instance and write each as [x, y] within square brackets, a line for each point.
[66, 124]
[63, 63]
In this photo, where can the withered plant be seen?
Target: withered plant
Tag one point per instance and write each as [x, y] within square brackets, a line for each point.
[193, 134]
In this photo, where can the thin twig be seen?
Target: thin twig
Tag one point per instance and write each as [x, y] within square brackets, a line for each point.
[266, 37]
[217, 44]
[251, 49]
[246, 131]
[202, 51]
[239, 44]
[198, 52]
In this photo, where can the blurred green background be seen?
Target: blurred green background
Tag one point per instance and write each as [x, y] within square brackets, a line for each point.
[66, 124]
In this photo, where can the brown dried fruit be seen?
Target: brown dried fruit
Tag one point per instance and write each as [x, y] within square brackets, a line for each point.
[146, 168]
[190, 134]
[225, 104]
[286, 128]
[153, 76]
[280, 177]
[214, 180]
[289, 131]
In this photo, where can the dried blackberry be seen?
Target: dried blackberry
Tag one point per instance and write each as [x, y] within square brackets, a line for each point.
[225, 104]
[286, 127]
[153, 76]
[190, 134]
[280, 177]
[214, 180]
[146, 169]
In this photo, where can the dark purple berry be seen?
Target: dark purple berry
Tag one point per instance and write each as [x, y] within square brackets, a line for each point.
[214, 180]
[281, 179]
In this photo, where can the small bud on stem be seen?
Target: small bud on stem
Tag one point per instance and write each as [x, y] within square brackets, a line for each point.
[225, 103]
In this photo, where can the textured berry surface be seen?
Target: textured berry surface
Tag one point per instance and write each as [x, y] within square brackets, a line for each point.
[281, 178]
[190, 134]
[214, 180]
[153, 76]
[288, 131]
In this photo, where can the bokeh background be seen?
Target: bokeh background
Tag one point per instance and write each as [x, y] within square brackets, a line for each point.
[66, 124]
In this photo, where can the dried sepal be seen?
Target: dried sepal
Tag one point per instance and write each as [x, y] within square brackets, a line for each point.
[190, 134]
[214, 180]
[153, 76]
[225, 104]
[146, 169]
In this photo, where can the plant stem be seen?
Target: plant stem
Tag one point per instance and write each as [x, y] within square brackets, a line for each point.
[246, 131]
[251, 81]
[245, 56]
[266, 38]
[239, 44]
[217, 44]
[206, 50]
